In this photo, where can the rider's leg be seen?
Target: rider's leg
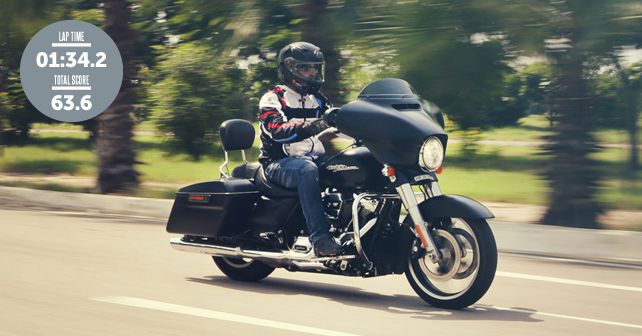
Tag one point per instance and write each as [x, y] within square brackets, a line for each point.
[303, 174]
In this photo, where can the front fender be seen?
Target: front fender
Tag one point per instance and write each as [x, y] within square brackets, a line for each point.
[454, 206]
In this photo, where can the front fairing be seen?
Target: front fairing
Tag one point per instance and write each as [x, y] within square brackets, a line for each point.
[389, 121]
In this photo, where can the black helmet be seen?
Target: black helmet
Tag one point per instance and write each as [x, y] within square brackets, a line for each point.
[301, 67]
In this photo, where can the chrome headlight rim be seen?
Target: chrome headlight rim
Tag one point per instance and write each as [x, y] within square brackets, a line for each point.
[426, 146]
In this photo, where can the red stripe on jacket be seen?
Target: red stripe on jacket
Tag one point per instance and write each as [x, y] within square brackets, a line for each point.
[273, 125]
[264, 115]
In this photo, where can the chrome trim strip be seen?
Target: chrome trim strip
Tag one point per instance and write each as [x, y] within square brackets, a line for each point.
[434, 187]
[410, 202]
[283, 257]
[421, 154]
[243, 155]
[367, 227]
[220, 169]
[213, 193]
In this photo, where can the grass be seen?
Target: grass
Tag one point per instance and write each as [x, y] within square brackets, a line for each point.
[534, 127]
[51, 153]
[493, 185]
[511, 174]
[57, 127]
[147, 126]
[496, 173]
[45, 186]
[530, 128]
[73, 154]
[159, 165]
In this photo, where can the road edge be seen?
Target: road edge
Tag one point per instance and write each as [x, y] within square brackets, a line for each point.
[616, 246]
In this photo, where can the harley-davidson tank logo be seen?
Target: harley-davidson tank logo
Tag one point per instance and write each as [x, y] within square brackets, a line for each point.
[340, 167]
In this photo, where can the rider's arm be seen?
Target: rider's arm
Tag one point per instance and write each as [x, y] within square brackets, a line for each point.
[275, 124]
[323, 101]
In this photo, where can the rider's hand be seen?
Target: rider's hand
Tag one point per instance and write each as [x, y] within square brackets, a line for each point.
[315, 127]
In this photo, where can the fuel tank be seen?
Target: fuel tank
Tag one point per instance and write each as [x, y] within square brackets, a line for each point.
[354, 168]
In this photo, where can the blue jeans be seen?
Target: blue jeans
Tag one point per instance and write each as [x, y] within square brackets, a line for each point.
[302, 174]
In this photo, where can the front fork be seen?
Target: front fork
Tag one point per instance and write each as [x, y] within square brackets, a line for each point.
[421, 226]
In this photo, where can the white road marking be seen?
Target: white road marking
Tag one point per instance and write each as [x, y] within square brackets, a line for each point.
[617, 262]
[577, 318]
[215, 315]
[566, 281]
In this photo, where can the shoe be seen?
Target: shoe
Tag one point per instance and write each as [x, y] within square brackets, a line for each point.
[327, 247]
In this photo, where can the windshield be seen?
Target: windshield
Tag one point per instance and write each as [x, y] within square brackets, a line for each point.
[388, 87]
[390, 121]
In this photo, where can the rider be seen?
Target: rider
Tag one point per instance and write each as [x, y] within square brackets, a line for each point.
[290, 118]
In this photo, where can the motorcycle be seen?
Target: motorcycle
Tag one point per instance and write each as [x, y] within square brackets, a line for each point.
[250, 226]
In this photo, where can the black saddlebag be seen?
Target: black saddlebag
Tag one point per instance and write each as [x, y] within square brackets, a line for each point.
[213, 209]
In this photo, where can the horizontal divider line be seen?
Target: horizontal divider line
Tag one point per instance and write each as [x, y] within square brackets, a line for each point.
[64, 88]
[71, 45]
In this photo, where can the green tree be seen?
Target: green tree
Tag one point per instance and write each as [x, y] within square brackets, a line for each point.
[573, 176]
[454, 54]
[193, 92]
[618, 92]
[630, 94]
[581, 30]
[190, 94]
[574, 32]
[317, 28]
[19, 21]
[528, 89]
[116, 154]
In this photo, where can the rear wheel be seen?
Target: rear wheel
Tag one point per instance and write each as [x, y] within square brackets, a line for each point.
[242, 269]
[467, 267]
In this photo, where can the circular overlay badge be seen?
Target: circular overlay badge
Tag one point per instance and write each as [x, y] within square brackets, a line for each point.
[71, 71]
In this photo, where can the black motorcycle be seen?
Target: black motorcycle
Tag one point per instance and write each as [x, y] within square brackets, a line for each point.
[250, 226]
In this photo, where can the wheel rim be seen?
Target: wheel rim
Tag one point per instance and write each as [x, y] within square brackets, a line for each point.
[461, 267]
[450, 261]
[470, 259]
[238, 262]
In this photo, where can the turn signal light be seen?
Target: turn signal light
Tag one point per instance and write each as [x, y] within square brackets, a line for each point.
[388, 171]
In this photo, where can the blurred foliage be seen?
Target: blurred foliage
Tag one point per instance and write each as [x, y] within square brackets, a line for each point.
[528, 92]
[435, 56]
[485, 64]
[19, 20]
[428, 43]
[188, 103]
[579, 32]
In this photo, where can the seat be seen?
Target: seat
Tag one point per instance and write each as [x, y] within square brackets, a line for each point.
[246, 171]
[238, 134]
[270, 189]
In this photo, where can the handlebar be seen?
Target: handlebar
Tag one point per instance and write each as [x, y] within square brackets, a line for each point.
[330, 116]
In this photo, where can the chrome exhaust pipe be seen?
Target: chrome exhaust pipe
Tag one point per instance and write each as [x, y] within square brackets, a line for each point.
[298, 260]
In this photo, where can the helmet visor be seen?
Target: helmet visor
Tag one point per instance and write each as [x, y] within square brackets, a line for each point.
[312, 72]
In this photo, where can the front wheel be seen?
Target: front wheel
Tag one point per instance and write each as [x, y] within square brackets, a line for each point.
[243, 269]
[467, 267]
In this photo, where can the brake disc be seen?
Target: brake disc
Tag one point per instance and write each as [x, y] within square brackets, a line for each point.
[450, 261]
[469, 259]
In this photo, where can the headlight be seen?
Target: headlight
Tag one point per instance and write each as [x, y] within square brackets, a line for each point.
[431, 154]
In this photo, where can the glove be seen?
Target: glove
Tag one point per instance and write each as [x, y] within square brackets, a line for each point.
[315, 127]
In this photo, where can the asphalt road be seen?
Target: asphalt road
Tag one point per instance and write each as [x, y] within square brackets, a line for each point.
[78, 274]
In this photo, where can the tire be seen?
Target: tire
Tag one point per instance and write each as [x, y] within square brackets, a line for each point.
[473, 282]
[242, 269]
